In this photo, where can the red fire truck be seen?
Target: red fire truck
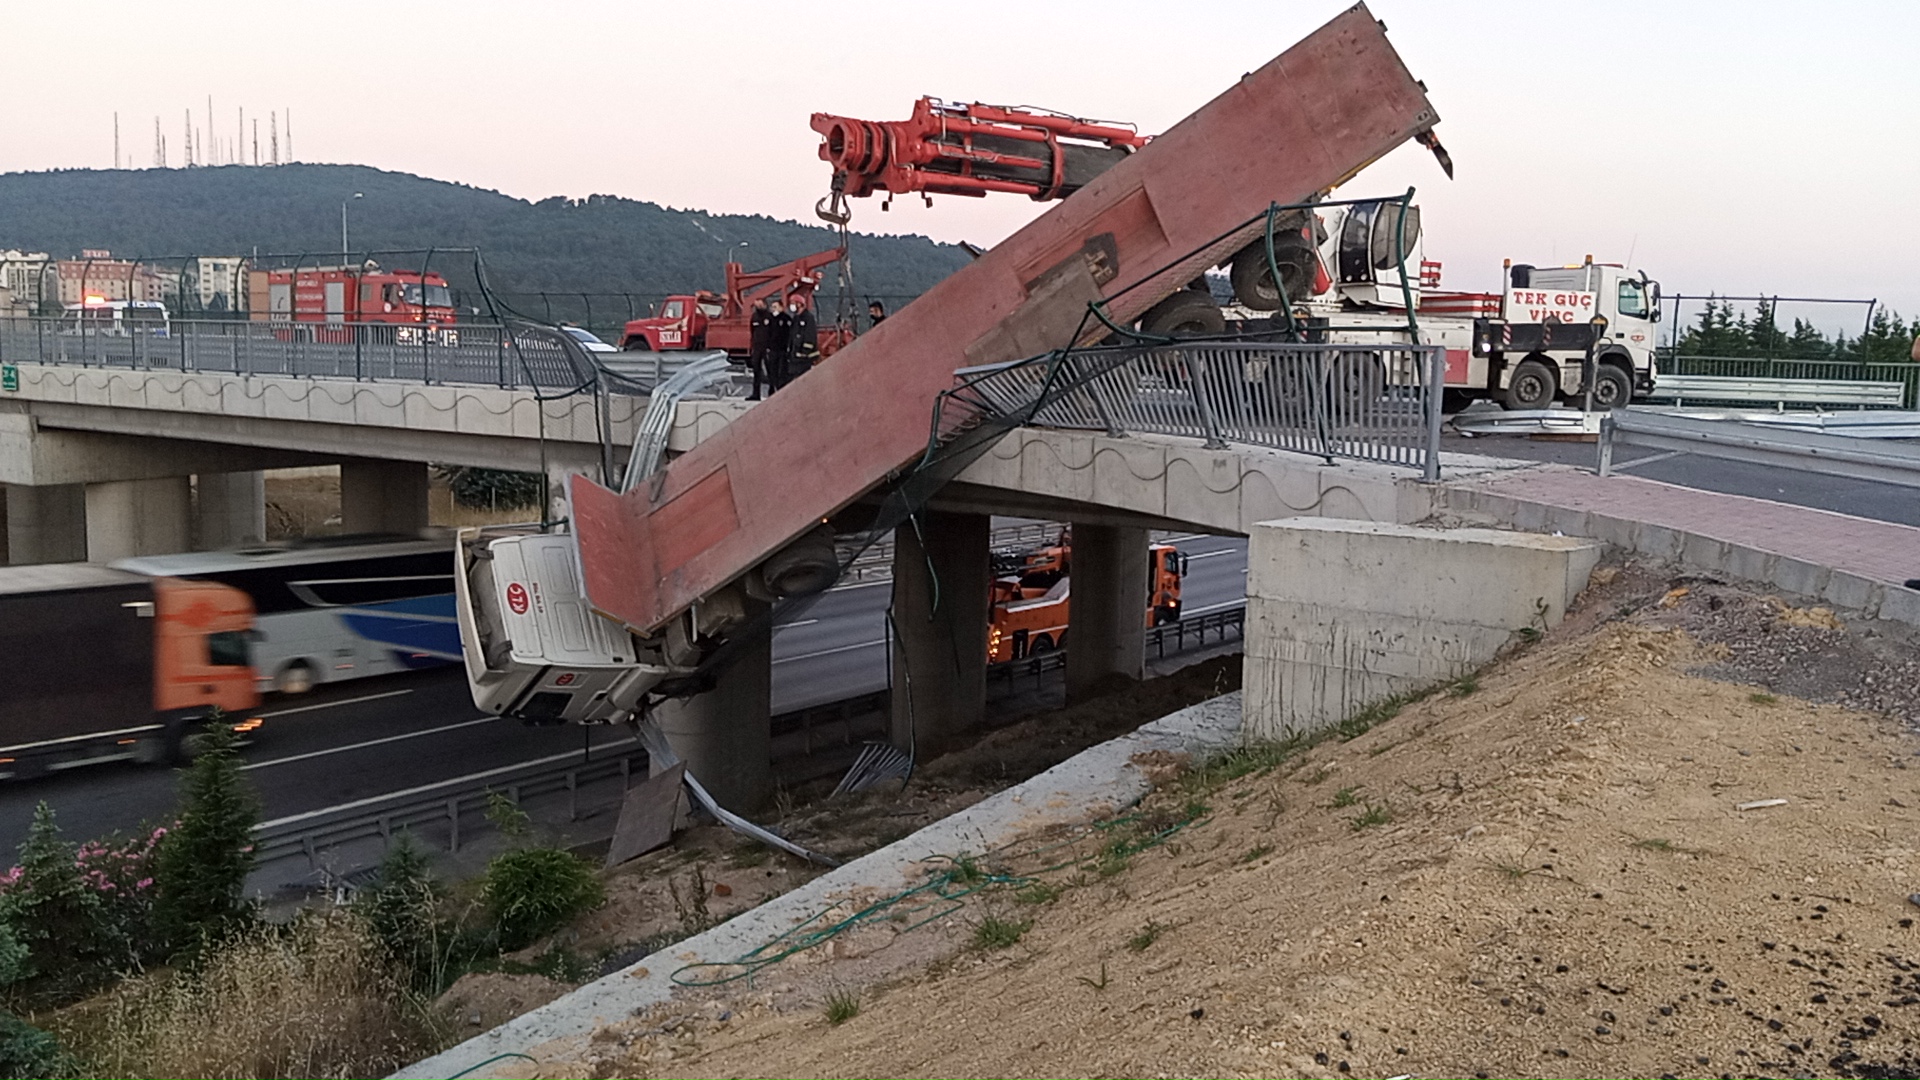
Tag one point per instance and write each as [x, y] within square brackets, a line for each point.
[343, 299]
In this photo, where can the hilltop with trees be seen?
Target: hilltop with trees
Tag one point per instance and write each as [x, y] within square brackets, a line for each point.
[600, 244]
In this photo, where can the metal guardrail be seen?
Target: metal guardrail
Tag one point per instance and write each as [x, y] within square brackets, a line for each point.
[518, 356]
[444, 803]
[1778, 392]
[1374, 402]
[1742, 367]
[1833, 455]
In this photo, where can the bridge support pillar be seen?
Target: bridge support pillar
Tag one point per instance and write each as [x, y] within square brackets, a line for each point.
[725, 735]
[941, 578]
[1106, 637]
[383, 497]
[47, 523]
[229, 509]
[137, 517]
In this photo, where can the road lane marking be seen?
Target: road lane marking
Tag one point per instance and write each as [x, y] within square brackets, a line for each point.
[791, 625]
[370, 742]
[335, 704]
[830, 652]
[1211, 554]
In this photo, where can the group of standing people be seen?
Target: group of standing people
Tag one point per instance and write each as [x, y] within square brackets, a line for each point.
[786, 340]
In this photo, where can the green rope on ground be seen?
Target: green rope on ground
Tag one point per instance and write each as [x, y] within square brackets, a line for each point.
[491, 1060]
[940, 896]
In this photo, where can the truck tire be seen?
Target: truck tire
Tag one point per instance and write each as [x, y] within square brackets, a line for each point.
[1612, 387]
[1184, 314]
[1253, 279]
[1532, 386]
[295, 678]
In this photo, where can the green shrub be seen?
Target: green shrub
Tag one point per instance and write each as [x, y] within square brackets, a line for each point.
[27, 1051]
[63, 938]
[532, 891]
[201, 865]
[401, 907]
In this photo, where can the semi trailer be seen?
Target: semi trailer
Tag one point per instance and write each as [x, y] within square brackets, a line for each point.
[107, 665]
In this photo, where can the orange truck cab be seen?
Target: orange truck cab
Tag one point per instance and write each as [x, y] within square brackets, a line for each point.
[1028, 611]
[108, 665]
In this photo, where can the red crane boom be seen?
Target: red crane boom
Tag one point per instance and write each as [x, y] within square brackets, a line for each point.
[947, 149]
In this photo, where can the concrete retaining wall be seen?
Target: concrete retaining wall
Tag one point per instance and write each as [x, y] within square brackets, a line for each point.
[1342, 614]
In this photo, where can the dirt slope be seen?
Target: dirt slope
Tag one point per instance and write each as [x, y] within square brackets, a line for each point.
[1546, 872]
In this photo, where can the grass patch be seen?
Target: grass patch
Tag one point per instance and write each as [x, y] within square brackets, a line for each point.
[1246, 760]
[1464, 686]
[842, 1006]
[1763, 699]
[1148, 934]
[1529, 635]
[1114, 858]
[1040, 892]
[1373, 815]
[966, 870]
[994, 932]
[1513, 871]
[1345, 797]
[1256, 854]
[1665, 846]
[748, 855]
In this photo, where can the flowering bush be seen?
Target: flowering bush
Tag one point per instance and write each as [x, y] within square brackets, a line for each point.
[74, 917]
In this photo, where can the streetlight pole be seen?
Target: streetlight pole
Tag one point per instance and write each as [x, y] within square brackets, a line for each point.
[741, 244]
[343, 225]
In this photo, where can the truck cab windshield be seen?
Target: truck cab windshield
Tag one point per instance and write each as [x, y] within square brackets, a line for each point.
[437, 296]
[1633, 299]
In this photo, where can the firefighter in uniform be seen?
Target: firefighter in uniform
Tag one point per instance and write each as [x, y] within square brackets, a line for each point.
[804, 336]
[758, 326]
[779, 334]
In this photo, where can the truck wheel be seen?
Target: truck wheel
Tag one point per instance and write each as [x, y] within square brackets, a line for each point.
[1253, 279]
[1184, 314]
[1531, 387]
[1041, 644]
[1612, 387]
[1455, 401]
[295, 678]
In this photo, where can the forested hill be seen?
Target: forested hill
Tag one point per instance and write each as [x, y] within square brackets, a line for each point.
[600, 244]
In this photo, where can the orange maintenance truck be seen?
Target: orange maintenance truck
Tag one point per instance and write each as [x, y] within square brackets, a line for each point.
[1028, 612]
[105, 665]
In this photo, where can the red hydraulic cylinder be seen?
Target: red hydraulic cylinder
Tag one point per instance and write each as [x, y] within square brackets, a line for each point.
[1305, 122]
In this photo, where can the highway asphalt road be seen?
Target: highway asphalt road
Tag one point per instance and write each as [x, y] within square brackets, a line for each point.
[375, 736]
[1861, 498]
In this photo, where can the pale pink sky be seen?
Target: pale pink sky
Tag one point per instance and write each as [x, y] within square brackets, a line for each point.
[1758, 146]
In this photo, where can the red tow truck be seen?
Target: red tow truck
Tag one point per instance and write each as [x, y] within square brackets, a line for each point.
[710, 320]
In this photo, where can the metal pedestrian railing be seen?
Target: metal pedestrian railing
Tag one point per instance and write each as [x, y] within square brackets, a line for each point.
[1831, 371]
[511, 356]
[1375, 402]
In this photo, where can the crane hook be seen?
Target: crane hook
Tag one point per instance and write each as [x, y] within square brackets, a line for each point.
[834, 209]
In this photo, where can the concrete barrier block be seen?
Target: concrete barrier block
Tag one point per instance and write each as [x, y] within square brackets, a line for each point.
[1851, 592]
[1614, 532]
[1659, 542]
[1342, 613]
[1130, 473]
[1800, 577]
[1703, 552]
[1749, 564]
[1900, 605]
[1569, 522]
